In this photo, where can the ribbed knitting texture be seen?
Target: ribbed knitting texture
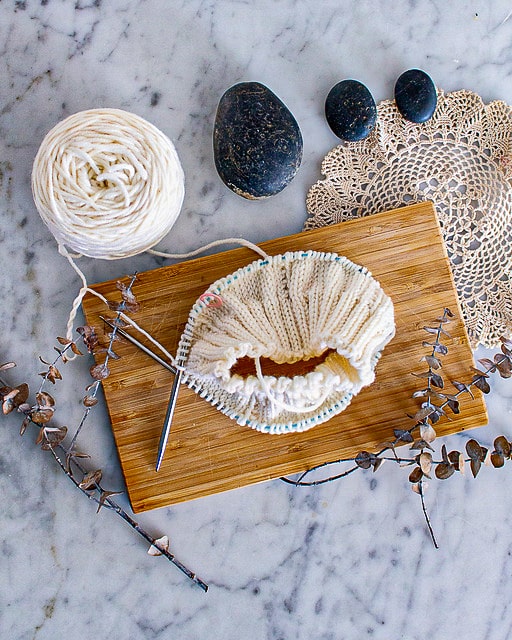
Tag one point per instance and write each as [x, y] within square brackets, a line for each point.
[289, 307]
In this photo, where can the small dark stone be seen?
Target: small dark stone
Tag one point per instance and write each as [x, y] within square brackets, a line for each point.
[350, 110]
[257, 143]
[415, 95]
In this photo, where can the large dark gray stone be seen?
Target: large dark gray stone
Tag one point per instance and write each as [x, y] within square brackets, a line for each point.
[257, 143]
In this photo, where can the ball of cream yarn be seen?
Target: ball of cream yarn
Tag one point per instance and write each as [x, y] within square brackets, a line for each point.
[107, 183]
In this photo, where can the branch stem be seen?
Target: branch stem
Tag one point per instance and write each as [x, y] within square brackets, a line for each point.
[425, 513]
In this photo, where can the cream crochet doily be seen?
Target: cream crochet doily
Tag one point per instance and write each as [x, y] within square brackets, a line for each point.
[461, 160]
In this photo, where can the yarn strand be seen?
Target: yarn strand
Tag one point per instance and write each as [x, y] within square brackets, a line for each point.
[210, 245]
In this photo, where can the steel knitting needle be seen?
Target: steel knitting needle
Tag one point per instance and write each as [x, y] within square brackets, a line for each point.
[138, 344]
[164, 436]
[168, 418]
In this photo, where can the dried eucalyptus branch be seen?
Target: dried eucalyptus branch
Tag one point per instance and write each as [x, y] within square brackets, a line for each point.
[435, 403]
[52, 438]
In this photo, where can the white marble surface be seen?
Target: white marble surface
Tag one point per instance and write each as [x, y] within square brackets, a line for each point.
[348, 560]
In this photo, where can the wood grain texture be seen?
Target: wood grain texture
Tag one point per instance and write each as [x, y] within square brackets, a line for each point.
[207, 452]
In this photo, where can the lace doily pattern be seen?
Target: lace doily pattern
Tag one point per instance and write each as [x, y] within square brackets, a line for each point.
[461, 160]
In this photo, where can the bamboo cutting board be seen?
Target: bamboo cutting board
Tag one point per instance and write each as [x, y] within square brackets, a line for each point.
[207, 452]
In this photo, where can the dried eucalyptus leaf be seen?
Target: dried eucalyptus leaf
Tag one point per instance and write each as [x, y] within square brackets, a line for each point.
[423, 413]
[75, 349]
[89, 337]
[116, 337]
[53, 374]
[502, 445]
[454, 406]
[444, 471]
[71, 455]
[7, 365]
[433, 330]
[454, 458]
[4, 391]
[415, 475]
[131, 307]
[163, 543]
[497, 459]
[424, 374]
[479, 372]
[364, 459]
[504, 365]
[444, 332]
[474, 450]
[40, 436]
[505, 370]
[505, 350]
[481, 383]
[14, 398]
[113, 305]
[53, 436]
[92, 385]
[377, 463]
[126, 292]
[90, 401]
[437, 380]
[42, 416]
[422, 393]
[488, 364]
[432, 361]
[475, 465]
[63, 341]
[436, 415]
[427, 432]
[426, 463]
[90, 480]
[506, 343]
[24, 425]
[420, 444]
[440, 348]
[21, 396]
[99, 371]
[462, 387]
[45, 400]
[104, 495]
[403, 435]
[7, 405]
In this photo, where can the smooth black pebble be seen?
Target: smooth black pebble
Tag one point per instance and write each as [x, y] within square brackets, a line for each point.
[415, 95]
[257, 143]
[350, 110]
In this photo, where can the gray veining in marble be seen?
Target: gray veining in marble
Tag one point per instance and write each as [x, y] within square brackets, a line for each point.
[344, 561]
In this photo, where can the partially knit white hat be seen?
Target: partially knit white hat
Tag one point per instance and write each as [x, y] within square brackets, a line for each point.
[288, 307]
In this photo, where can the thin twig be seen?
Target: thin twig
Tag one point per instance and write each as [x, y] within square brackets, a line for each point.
[427, 519]
[315, 483]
